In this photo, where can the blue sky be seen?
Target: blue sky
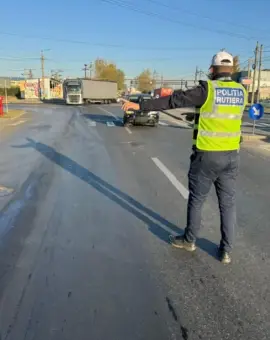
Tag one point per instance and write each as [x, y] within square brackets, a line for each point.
[172, 39]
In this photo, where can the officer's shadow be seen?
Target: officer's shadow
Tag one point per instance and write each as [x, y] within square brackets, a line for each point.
[157, 224]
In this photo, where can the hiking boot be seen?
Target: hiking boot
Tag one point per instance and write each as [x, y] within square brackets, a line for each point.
[180, 242]
[224, 256]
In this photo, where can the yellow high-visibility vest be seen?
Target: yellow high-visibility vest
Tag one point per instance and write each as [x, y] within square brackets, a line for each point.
[217, 125]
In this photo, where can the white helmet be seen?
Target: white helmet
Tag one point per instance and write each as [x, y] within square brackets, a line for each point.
[222, 58]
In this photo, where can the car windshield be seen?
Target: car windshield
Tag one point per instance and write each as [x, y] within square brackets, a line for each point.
[136, 99]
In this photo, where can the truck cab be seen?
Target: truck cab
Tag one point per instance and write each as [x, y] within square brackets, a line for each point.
[73, 92]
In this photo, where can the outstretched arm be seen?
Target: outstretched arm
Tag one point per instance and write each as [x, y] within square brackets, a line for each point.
[193, 97]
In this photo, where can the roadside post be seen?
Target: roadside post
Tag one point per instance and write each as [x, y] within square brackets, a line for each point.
[6, 96]
[255, 112]
[1, 106]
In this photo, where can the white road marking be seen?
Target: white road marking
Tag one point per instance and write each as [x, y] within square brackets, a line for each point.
[259, 124]
[182, 123]
[110, 113]
[162, 123]
[17, 116]
[91, 123]
[110, 124]
[264, 124]
[128, 130]
[17, 123]
[171, 177]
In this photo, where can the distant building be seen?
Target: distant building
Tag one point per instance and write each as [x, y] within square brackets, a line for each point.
[32, 88]
[242, 77]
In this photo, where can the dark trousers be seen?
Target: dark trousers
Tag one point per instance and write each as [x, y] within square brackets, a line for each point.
[220, 168]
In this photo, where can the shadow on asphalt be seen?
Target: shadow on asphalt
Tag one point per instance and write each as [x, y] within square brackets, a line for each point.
[117, 196]
[266, 140]
[54, 101]
[103, 119]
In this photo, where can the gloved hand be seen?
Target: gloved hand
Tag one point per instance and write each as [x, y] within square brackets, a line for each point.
[129, 105]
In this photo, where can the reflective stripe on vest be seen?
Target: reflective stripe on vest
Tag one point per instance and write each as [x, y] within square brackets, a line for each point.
[217, 125]
[219, 134]
[219, 115]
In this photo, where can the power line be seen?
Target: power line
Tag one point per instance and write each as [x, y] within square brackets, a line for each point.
[17, 59]
[130, 47]
[131, 7]
[205, 16]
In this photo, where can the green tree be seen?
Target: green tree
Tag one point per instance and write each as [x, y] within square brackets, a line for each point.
[145, 81]
[121, 80]
[236, 64]
[108, 71]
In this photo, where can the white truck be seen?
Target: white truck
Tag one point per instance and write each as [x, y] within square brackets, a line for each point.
[86, 91]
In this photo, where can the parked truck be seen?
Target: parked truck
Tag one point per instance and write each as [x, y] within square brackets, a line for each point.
[85, 91]
[162, 92]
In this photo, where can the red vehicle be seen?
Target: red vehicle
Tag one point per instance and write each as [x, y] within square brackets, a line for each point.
[162, 92]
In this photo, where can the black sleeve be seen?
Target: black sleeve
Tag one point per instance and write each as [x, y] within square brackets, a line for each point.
[194, 97]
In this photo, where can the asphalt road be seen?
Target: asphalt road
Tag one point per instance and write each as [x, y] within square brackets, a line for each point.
[83, 240]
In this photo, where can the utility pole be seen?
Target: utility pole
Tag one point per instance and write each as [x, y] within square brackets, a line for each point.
[259, 76]
[30, 74]
[155, 77]
[42, 59]
[249, 71]
[161, 81]
[85, 70]
[90, 69]
[196, 75]
[254, 72]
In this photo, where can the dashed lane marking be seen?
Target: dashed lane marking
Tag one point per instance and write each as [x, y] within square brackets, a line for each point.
[163, 123]
[110, 124]
[116, 118]
[171, 177]
[92, 123]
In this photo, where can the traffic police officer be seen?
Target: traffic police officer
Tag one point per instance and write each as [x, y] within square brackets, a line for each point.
[220, 103]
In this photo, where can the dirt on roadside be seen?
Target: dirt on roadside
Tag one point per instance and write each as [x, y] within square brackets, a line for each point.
[12, 114]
